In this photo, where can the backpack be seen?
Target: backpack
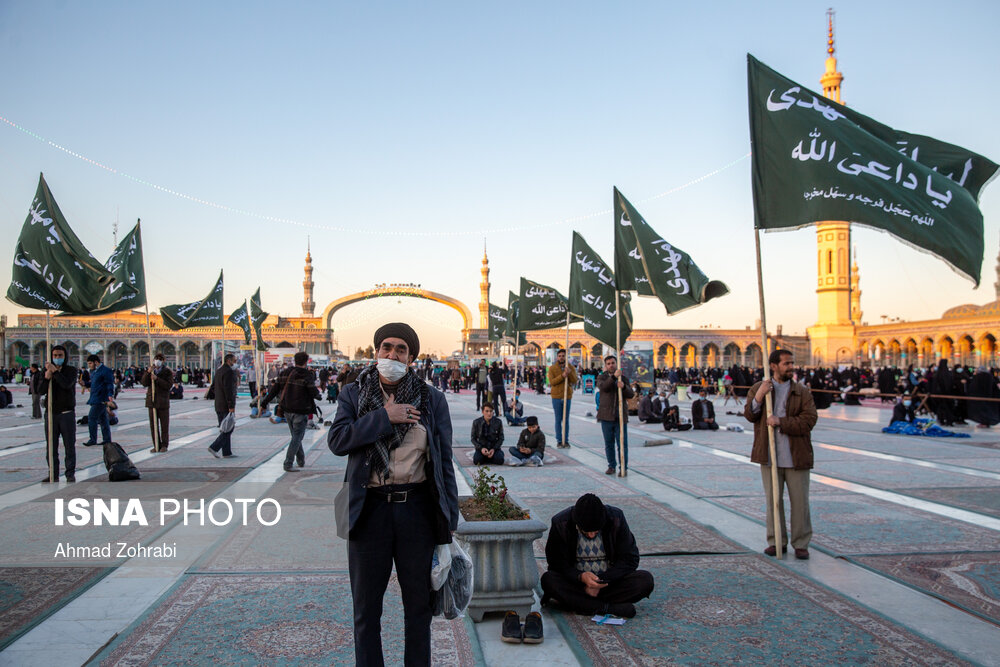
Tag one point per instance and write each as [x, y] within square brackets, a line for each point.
[118, 464]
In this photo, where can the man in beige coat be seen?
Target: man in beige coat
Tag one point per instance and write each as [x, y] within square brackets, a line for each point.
[562, 379]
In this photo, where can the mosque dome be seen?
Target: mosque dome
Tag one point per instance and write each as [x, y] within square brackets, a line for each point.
[972, 310]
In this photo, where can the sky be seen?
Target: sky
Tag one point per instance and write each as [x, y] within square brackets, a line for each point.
[398, 138]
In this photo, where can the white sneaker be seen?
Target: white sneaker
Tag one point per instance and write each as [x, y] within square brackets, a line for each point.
[538, 461]
[216, 454]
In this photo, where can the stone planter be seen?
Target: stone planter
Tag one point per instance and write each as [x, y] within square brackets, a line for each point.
[503, 561]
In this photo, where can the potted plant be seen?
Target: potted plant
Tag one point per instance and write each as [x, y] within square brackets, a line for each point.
[498, 534]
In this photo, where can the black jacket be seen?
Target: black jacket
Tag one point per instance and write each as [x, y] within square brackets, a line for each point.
[224, 387]
[164, 381]
[619, 545]
[301, 392]
[63, 389]
[702, 410]
[533, 441]
[489, 436]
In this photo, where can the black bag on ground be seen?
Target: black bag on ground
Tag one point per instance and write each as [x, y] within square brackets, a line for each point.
[120, 468]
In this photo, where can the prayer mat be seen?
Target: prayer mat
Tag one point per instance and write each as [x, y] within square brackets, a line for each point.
[556, 481]
[970, 581]
[855, 524]
[721, 610]
[657, 528]
[284, 619]
[898, 475]
[982, 499]
[707, 481]
[307, 486]
[190, 483]
[29, 595]
[464, 458]
[196, 455]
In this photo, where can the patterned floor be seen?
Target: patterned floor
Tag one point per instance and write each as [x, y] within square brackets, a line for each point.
[29, 594]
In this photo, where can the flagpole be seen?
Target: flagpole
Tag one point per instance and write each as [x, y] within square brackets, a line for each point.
[566, 386]
[51, 438]
[772, 455]
[621, 405]
[152, 383]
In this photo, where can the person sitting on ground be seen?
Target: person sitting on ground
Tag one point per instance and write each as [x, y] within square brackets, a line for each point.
[647, 410]
[530, 449]
[672, 417]
[177, 392]
[487, 438]
[703, 412]
[6, 398]
[593, 561]
[514, 410]
[903, 410]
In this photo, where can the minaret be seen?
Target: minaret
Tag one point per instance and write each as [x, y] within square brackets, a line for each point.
[484, 292]
[308, 305]
[856, 312]
[833, 332]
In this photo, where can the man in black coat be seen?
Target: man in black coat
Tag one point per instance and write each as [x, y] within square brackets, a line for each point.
[593, 561]
[63, 407]
[223, 390]
[297, 392]
[703, 413]
[158, 380]
[487, 438]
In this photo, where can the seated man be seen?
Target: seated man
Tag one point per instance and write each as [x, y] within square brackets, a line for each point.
[647, 409]
[513, 410]
[487, 438]
[703, 412]
[902, 411]
[177, 392]
[593, 560]
[6, 398]
[530, 447]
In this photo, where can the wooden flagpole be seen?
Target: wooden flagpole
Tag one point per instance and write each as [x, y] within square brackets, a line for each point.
[53, 473]
[566, 387]
[772, 455]
[621, 403]
[152, 383]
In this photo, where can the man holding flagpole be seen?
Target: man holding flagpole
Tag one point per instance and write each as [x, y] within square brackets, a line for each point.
[562, 379]
[611, 384]
[62, 407]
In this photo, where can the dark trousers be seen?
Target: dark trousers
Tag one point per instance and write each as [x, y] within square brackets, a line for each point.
[499, 398]
[63, 427]
[611, 438]
[572, 595]
[479, 459]
[163, 419]
[99, 416]
[386, 533]
[224, 441]
[297, 428]
[706, 426]
[524, 457]
[36, 406]
[481, 394]
[253, 389]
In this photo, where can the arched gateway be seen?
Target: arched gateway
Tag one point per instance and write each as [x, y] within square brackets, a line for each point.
[398, 289]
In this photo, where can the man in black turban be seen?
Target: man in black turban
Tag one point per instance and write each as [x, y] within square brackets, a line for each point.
[593, 561]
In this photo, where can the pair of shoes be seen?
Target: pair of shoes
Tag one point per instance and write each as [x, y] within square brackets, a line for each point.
[562, 445]
[89, 443]
[71, 477]
[622, 609]
[215, 453]
[609, 471]
[771, 551]
[802, 554]
[289, 468]
[161, 450]
[514, 462]
[513, 633]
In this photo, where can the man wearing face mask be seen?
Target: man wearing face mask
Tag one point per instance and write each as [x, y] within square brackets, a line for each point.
[158, 405]
[402, 500]
[102, 385]
[63, 407]
[223, 390]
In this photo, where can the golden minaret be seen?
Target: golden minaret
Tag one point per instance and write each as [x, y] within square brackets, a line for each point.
[856, 312]
[308, 305]
[484, 292]
[832, 337]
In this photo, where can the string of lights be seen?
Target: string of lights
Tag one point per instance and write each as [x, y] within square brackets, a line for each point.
[368, 229]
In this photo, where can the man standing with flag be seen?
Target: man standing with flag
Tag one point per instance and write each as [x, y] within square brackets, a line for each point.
[63, 407]
[158, 401]
[561, 373]
[610, 384]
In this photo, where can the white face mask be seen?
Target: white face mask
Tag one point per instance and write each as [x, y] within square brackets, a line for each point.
[157, 363]
[391, 370]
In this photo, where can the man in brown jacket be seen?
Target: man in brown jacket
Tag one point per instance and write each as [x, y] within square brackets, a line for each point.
[164, 379]
[608, 383]
[562, 379]
[793, 418]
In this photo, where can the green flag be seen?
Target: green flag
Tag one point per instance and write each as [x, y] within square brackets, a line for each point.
[816, 160]
[241, 318]
[592, 295]
[497, 322]
[52, 268]
[511, 329]
[257, 317]
[542, 307]
[644, 262]
[204, 313]
[126, 265]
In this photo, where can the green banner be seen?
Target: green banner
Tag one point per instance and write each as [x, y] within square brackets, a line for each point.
[816, 160]
[241, 318]
[497, 322]
[257, 317]
[542, 307]
[52, 268]
[592, 295]
[513, 315]
[126, 265]
[647, 264]
[204, 313]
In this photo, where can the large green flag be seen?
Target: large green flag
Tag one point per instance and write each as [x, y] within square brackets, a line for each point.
[592, 296]
[542, 307]
[257, 317]
[816, 160]
[241, 318]
[513, 315]
[497, 322]
[52, 268]
[126, 265]
[204, 313]
[644, 262]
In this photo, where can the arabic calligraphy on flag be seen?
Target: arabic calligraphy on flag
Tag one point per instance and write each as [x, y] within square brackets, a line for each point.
[592, 295]
[816, 160]
[257, 317]
[204, 313]
[126, 264]
[241, 318]
[542, 307]
[497, 322]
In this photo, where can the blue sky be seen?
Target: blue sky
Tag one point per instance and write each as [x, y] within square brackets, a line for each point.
[366, 122]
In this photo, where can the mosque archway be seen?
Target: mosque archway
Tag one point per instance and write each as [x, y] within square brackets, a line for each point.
[398, 290]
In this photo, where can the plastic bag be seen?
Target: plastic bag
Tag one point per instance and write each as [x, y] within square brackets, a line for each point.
[228, 423]
[440, 566]
[454, 597]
